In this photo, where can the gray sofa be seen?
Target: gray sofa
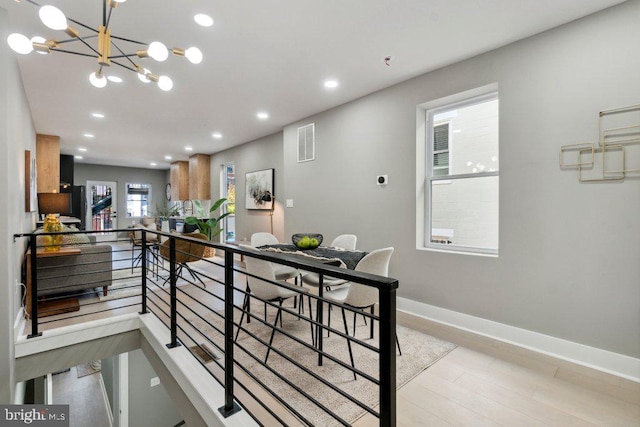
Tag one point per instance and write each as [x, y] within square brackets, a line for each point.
[91, 268]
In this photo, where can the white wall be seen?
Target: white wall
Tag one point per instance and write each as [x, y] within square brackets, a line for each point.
[17, 134]
[568, 264]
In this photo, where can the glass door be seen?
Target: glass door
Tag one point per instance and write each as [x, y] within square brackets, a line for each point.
[103, 203]
[228, 190]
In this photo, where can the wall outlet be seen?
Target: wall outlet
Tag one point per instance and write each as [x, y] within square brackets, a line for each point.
[155, 381]
[289, 203]
[382, 179]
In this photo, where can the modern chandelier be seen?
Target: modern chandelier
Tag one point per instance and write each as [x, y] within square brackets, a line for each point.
[53, 18]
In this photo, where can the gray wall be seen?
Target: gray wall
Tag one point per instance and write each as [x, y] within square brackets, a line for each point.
[16, 135]
[148, 406]
[264, 153]
[568, 264]
[122, 175]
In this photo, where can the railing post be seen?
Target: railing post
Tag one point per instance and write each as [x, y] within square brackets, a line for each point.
[172, 285]
[230, 406]
[320, 316]
[34, 288]
[144, 272]
[387, 326]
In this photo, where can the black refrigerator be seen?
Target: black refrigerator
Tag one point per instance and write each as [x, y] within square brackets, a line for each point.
[79, 205]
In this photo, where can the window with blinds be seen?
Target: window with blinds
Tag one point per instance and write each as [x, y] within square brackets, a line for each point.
[462, 176]
[138, 200]
[441, 149]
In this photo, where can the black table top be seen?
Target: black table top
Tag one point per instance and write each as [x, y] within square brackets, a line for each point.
[348, 257]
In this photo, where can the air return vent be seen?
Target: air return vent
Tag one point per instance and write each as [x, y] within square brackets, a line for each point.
[306, 143]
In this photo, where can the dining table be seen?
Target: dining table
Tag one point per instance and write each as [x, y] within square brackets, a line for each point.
[345, 258]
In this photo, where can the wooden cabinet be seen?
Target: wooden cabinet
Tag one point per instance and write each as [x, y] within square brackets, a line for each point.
[179, 178]
[199, 177]
[48, 163]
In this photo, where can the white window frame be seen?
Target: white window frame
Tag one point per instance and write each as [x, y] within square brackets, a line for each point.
[149, 197]
[432, 110]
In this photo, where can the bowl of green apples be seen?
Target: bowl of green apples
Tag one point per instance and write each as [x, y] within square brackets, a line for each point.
[307, 240]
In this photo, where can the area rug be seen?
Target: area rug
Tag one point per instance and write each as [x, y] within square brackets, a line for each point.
[419, 351]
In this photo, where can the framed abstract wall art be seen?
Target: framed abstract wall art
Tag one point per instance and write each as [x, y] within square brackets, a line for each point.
[259, 189]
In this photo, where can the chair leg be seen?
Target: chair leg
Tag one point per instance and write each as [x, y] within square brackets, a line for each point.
[398, 344]
[346, 331]
[194, 274]
[371, 325]
[245, 304]
[313, 340]
[273, 331]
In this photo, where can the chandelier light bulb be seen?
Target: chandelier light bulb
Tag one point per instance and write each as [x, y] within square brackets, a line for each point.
[98, 81]
[158, 51]
[165, 83]
[143, 77]
[194, 55]
[53, 17]
[20, 43]
[41, 40]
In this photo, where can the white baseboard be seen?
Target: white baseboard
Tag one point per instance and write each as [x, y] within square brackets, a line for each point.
[595, 358]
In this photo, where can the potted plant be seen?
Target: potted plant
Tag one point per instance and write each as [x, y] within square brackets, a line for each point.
[210, 227]
[163, 213]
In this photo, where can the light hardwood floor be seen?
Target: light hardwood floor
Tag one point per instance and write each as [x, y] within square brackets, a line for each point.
[487, 382]
[509, 386]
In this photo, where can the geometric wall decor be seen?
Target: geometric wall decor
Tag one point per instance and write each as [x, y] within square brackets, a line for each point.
[617, 153]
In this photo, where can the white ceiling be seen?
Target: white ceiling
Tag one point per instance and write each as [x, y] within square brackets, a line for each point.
[259, 55]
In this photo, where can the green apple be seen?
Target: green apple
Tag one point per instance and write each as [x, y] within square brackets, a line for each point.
[304, 242]
[313, 242]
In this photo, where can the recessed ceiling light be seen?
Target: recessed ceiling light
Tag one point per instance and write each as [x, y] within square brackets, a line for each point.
[216, 135]
[78, 157]
[89, 135]
[457, 130]
[168, 157]
[153, 163]
[114, 79]
[330, 84]
[262, 115]
[188, 148]
[82, 149]
[98, 115]
[203, 20]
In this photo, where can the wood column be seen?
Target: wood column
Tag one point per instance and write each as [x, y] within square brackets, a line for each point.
[200, 177]
[179, 178]
[48, 163]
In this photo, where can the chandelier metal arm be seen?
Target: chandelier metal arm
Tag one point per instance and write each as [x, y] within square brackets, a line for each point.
[126, 66]
[72, 52]
[123, 55]
[82, 25]
[75, 39]
[129, 40]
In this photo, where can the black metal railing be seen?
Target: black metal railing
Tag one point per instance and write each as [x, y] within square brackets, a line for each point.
[202, 301]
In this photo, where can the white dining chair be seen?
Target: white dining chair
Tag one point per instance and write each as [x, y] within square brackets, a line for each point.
[361, 297]
[262, 284]
[282, 272]
[345, 241]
